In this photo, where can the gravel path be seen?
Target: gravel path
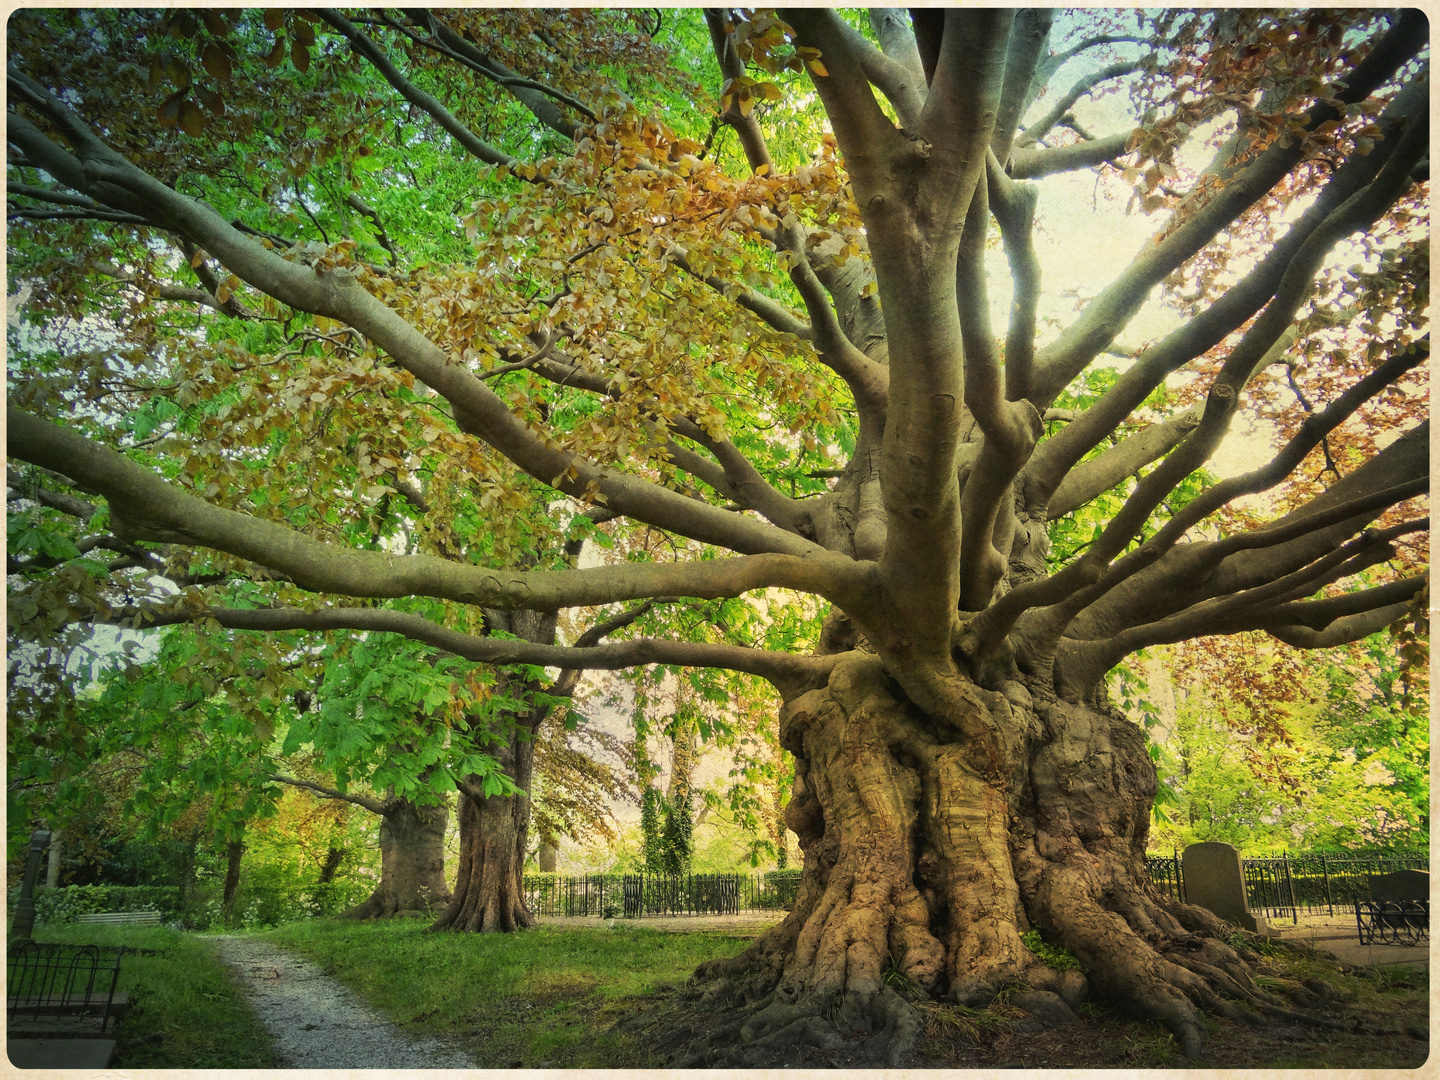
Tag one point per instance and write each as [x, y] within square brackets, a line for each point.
[319, 1024]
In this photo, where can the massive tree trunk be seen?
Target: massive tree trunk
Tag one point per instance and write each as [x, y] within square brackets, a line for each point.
[494, 831]
[929, 853]
[412, 861]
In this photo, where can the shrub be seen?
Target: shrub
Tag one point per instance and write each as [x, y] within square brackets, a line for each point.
[60, 906]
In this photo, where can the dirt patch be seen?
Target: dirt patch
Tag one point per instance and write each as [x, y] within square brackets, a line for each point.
[551, 987]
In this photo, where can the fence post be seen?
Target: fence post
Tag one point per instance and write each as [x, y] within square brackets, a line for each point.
[1294, 906]
[1325, 870]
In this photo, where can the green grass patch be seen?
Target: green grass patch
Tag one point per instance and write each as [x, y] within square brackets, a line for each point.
[185, 1012]
[545, 998]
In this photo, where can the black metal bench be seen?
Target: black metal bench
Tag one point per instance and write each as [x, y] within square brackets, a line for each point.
[1393, 922]
[62, 990]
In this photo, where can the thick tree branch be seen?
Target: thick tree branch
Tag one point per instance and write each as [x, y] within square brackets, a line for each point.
[1010, 427]
[1318, 614]
[897, 42]
[744, 124]
[902, 86]
[1028, 38]
[145, 507]
[1013, 205]
[854, 113]
[1126, 458]
[1028, 163]
[784, 670]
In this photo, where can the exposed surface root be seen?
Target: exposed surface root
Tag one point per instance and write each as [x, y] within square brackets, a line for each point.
[879, 1029]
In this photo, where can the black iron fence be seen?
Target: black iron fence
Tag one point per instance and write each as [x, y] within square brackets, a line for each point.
[1282, 886]
[1287, 885]
[635, 896]
[1166, 875]
[61, 990]
[1319, 881]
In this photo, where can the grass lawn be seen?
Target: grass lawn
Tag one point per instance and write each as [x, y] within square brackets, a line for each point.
[542, 999]
[185, 1013]
[552, 997]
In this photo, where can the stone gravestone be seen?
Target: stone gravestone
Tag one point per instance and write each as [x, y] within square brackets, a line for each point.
[1215, 881]
[1401, 885]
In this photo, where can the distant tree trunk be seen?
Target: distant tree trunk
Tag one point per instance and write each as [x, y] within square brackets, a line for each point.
[333, 858]
[187, 873]
[494, 830]
[412, 861]
[548, 851]
[494, 833]
[233, 851]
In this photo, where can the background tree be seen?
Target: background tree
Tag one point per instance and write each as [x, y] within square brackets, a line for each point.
[1274, 748]
[775, 356]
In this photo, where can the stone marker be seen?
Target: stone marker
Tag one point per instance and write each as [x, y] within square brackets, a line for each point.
[24, 922]
[1401, 885]
[1215, 881]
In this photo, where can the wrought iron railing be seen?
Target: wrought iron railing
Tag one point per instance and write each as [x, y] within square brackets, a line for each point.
[635, 896]
[1280, 886]
[55, 989]
[1315, 881]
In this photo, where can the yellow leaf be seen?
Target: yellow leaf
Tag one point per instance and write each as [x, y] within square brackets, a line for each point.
[818, 68]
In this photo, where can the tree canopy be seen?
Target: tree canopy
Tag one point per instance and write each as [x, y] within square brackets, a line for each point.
[413, 322]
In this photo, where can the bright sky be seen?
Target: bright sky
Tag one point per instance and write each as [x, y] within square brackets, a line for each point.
[1086, 237]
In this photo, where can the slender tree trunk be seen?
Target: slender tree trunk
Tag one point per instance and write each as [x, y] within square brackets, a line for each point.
[494, 833]
[412, 862]
[186, 891]
[333, 858]
[233, 852]
[928, 853]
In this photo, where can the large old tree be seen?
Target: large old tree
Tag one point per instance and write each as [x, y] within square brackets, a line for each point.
[367, 309]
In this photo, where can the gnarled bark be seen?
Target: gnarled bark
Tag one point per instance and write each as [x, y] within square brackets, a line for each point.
[926, 859]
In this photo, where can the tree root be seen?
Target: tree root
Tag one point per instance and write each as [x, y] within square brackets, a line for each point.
[878, 1029]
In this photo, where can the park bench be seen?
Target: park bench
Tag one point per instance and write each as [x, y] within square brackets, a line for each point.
[120, 918]
[1398, 911]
